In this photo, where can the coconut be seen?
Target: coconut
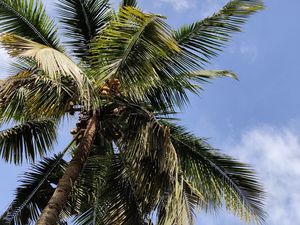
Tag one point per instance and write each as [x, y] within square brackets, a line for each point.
[105, 88]
[104, 92]
[116, 110]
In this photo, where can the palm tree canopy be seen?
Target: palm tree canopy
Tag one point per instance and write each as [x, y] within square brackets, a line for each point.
[133, 71]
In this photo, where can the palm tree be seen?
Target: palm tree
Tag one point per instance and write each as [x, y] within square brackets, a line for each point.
[125, 75]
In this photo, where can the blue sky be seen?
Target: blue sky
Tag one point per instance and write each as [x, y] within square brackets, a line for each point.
[256, 119]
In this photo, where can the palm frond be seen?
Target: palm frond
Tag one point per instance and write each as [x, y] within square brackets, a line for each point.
[159, 79]
[192, 199]
[88, 194]
[178, 204]
[131, 3]
[91, 216]
[148, 154]
[12, 97]
[50, 60]
[123, 205]
[218, 177]
[107, 193]
[198, 42]
[52, 63]
[28, 140]
[29, 95]
[27, 18]
[50, 98]
[174, 88]
[172, 209]
[38, 184]
[204, 39]
[129, 47]
[161, 82]
[82, 21]
[89, 186]
[49, 171]
[203, 75]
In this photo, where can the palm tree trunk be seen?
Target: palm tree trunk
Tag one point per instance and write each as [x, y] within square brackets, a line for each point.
[51, 212]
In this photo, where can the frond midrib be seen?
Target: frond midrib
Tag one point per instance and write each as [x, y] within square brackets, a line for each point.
[86, 20]
[133, 42]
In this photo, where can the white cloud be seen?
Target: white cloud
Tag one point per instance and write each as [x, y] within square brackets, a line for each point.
[180, 5]
[246, 49]
[204, 8]
[275, 154]
[249, 50]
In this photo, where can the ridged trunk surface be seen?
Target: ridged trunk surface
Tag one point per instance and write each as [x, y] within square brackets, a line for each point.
[51, 212]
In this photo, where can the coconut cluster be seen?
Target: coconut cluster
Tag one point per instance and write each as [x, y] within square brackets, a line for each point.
[111, 87]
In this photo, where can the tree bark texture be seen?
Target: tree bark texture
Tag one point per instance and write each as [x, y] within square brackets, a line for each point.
[51, 212]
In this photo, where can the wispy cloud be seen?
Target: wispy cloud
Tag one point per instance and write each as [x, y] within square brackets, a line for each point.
[275, 154]
[201, 9]
[180, 5]
[245, 49]
[249, 50]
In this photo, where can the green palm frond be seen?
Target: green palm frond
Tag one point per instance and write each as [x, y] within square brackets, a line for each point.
[90, 184]
[24, 210]
[132, 3]
[204, 39]
[88, 196]
[46, 174]
[28, 140]
[192, 199]
[13, 95]
[105, 180]
[93, 215]
[218, 177]
[149, 155]
[174, 210]
[174, 88]
[3, 221]
[82, 21]
[161, 82]
[30, 94]
[178, 204]
[27, 18]
[124, 205]
[49, 98]
[35, 185]
[129, 47]
[203, 75]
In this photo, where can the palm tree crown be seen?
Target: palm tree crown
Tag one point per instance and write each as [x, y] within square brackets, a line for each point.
[123, 74]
